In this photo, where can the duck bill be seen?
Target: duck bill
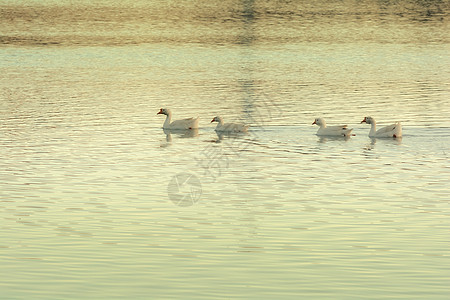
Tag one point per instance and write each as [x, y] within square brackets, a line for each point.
[314, 122]
[363, 121]
[212, 121]
[159, 112]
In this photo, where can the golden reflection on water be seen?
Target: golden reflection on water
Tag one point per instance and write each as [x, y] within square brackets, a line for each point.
[223, 22]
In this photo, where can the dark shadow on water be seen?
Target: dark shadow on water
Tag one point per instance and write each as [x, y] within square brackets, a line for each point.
[248, 18]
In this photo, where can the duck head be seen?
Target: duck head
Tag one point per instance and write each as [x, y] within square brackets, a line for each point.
[164, 111]
[319, 122]
[368, 120]
[216, 119]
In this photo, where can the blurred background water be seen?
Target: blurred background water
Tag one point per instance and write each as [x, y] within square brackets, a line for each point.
[99, 202]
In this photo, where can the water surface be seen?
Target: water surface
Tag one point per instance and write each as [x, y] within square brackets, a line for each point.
[88, 179]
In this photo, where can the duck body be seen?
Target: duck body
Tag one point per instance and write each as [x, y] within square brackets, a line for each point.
[183, 124]
[390, 131]
[325, 130]
[229, 127]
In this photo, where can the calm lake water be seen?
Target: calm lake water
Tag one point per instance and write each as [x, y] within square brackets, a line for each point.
[98, 202]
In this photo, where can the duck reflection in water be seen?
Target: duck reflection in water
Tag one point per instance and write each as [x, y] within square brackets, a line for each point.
[221, 135]
[324, 139]
[179, 133]
[373, 141]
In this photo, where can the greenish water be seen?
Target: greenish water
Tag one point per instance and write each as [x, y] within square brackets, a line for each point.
[98, 202]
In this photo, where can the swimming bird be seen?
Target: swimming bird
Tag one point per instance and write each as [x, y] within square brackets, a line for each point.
[331, 130]
[390, 131]
[189, 123]
[229, 127]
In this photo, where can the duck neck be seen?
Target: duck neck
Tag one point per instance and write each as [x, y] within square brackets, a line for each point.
[373, 128]
[167, 121]
[219, 122]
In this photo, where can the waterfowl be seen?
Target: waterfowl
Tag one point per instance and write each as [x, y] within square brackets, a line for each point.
[229, 127]
[183, 124]
[325, 130]
[390, 131]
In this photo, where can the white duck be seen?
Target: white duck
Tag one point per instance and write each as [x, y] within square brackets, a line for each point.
[331, 130]
[229, 127]
[390, 131]
[182, 124]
